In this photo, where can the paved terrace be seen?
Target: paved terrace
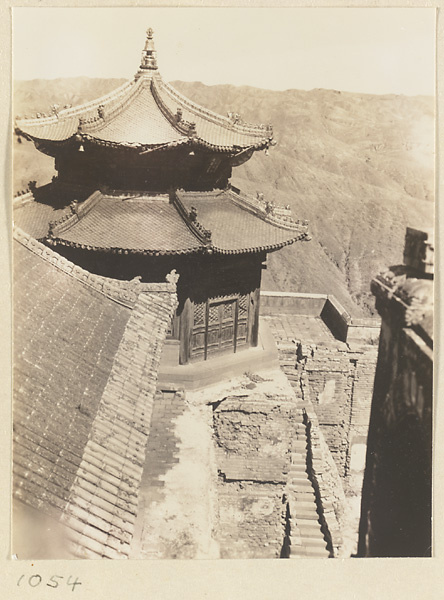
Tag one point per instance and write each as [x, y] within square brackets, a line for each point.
[305, 328]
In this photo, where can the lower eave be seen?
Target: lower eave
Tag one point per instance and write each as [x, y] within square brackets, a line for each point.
[209, 249]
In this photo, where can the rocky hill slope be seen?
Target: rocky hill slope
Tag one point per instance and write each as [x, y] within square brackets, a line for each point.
[358, 167]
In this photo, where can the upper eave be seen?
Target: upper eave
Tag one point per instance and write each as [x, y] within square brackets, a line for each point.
[146, 113]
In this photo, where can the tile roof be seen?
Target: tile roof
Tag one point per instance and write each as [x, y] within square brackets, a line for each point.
[236, 227]
[34, 217]
[33, 212]
[86, 354]
[140, 122]
[147, 112]
[140, 223]
[155, 224]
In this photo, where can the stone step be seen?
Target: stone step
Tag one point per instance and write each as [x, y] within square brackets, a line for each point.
[308, 496]
[298, 462]
[300, 445]
[306, 514]
[301, 523]
[306, 524]
[303, 502]
[299, 479]
[304, 505]
[301, 491]
[310, 533]
[302, 553]
[316, 552]
[318, 543]
[297, 472]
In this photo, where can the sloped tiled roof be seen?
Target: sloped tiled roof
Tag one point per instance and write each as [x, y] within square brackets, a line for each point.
[140, 224]
[33, 212]
[86, 353]
[157, 224]
[147, 112]
[235, 229]
[34, 217]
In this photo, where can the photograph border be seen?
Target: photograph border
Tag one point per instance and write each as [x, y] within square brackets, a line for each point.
[227, 579]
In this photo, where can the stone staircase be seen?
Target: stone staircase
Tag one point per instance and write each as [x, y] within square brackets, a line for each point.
[304, 535]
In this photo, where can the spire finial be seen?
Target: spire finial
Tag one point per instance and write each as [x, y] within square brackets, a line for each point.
[149, 54]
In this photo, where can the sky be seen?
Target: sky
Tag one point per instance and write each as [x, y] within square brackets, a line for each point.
[366, 50]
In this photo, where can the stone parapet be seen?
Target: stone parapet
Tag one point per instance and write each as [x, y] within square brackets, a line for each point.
[401, 296]
[397, 494]
[419, 250]
[326, 306]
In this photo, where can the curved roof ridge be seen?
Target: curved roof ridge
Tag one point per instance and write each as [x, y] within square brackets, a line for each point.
[274, 213]
[66, 113]
[113, 108]
[216, 118]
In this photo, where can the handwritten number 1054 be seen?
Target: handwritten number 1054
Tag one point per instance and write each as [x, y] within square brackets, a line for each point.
[54, 582]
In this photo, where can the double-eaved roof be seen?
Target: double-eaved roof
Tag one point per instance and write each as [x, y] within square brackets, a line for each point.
[86, 354]
[146, 113]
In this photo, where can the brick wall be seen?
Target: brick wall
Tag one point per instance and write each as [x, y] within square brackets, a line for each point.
[253, 439]
[338, 381]
[251, 518]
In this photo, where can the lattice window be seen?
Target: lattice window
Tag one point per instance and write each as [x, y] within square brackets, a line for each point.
[227, 310]
[243, 304]
[213, 315]
[199, 314]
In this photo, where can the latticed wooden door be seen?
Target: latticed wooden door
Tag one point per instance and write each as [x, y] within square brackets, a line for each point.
[242, 321]
[220, 324]
[198, 346]
[221, 316]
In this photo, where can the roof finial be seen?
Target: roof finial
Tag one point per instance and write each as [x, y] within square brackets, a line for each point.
[149, 54]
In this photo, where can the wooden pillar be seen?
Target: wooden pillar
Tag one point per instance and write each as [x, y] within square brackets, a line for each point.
[186, 330]
[253, 317]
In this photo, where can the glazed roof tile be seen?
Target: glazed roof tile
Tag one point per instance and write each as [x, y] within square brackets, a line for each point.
[33, 212]
[34, 217]
[141, 122]
[235, 229]
[145, 224]
[85, 369]
[142, 223]
[65, 339]
[146, 112]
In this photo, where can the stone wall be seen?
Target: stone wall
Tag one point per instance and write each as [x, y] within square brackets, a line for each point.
[267, 504]
[251, 518]
[338, 381]
[397, 495]
[253, 440]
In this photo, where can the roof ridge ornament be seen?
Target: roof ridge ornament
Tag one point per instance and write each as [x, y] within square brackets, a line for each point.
[149, 54]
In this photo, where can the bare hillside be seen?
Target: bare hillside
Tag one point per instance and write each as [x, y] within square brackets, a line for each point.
[358, 167]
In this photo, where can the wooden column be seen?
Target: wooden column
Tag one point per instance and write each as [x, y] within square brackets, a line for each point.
[186, 330]
[253, 317]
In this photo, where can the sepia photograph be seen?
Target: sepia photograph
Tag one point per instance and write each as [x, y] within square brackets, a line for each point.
[222, 274]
